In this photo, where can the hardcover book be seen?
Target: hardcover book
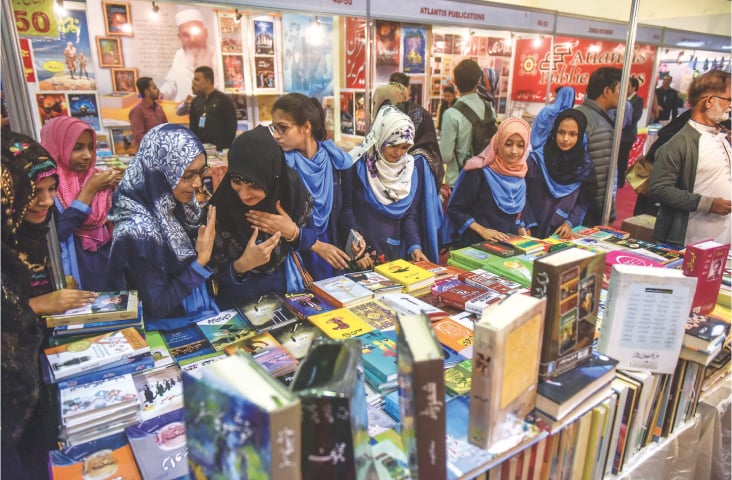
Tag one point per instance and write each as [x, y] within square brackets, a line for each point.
[519, 269]
[703, 332]
[330, 384]
[524, 244]
[108, 306]
[705, 261]
[107, 458]
[645, 317]
[407, 274]
[341, 291]
[159, 391]
[267, 352]
[495, 248]
[305, 304]
[375, 314]
[340, 324]
[506, 356]
[441, 272]
[421, 397]
[470, 257]
[374, 281]
[225, 328]
[570, 280]
[95, 353]
[455, 335]
[267, 313]
[159, 446]
[457, 293]
[186, 342]
[241, 423]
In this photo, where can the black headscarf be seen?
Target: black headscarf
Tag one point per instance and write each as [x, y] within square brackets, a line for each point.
[256, 157]
[573, 165]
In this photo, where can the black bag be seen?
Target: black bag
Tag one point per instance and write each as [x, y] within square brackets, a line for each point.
[482, 130]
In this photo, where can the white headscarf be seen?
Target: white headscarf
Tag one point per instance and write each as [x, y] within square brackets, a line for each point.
[390, 182]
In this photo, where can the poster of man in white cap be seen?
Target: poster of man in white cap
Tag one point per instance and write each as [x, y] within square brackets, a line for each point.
[195, 51]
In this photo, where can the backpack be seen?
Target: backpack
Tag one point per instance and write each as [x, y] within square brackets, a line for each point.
[481, 130]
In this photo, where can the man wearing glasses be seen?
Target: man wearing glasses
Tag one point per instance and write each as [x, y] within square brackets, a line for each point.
[691, 175]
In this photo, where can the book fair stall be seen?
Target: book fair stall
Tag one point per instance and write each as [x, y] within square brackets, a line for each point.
[603, 356]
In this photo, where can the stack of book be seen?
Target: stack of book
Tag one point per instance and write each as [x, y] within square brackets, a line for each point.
[704, 338]
[412, 278]
[109, 311]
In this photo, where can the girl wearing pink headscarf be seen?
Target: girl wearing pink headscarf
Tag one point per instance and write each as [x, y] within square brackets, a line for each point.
[489, 196]
[83, 199]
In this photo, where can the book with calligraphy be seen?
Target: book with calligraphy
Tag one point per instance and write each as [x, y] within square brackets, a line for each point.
[225, 328]
[241, 423]
[375, 314]
[421, 396]
[645, 317]
[506, 352]
[455, 335]
[340, 324]
[186, 342]
[304, 304]
[330, 384]
[570, 280]
[705, 261]
[159, 446]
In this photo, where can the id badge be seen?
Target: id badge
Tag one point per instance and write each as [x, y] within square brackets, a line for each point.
[202, 121]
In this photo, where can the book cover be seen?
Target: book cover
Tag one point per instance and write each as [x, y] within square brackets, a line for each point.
[459, 378]
[379, 354]
[108, 306]
[304, 304]
[389, 459]
[457, 293]
[421, 396]
[703, 331]
[455, 335]
[267, 352]
[267, 313]
[506, 354]
[570, 280]
[560, 395]
[94, 353]
[462, 456]
[194, 366]
[340, 324]
[519, 269]
[94, 401]
[490, 282]
[495, 248]
[159, 391]
[405, 303]
[645, 317]
[341, 291]
[107, 458]
[186, 342]
[92, 328]
[705, 260]
[132, 365]
[375, 314]
[159, 446]
[158, 348]
[470, 257]
[477, 305]
[330, 384]
[225, 328]
[625, 257]
[297, 337]
[407, 274]
[441, 272]
[241, 423]
[374, 281]
[523, 244]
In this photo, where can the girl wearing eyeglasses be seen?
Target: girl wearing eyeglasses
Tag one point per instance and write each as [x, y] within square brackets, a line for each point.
[84, 198]
[160, 246]
[298, 125]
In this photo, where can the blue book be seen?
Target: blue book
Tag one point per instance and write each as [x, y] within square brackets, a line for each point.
[134, 365]
[159, 446]
[378, 351]
[462, 456]
[225, 328]
[305, 304]
[186, 342]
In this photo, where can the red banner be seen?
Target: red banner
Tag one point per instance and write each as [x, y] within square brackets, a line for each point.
[25, 52]
[355, 52]
[574, 61]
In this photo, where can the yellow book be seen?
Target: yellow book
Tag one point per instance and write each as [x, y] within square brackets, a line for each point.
[340, 324]
[407, 274]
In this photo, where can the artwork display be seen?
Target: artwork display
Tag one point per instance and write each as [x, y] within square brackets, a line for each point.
[117, 18]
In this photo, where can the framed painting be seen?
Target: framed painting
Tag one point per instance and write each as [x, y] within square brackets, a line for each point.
[124, 80]
[117, 18]
[110, 52]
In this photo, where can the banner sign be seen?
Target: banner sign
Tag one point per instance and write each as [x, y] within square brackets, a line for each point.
[574, 61]
[35, 18]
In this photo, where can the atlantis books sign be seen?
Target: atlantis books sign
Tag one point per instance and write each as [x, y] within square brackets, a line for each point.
[574, 60]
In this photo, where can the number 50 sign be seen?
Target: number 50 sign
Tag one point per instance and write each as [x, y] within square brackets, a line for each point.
[35, 18]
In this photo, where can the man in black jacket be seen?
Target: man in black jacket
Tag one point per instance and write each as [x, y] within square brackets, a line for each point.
[212, 117]
[668, 100]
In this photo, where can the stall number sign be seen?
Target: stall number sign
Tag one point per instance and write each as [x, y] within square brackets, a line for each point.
[35, 18]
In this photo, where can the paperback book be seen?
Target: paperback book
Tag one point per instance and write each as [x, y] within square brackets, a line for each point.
[340, 324]
[455, 336]
[341, 291]
[519, 269]
[158, 349]
[305, 304]
[267, 352]
[499, 249]
[159, 446]
[107, 458]
[267, 313]
[186, 342]
[159, 391]
[225, 328]
[108, 306]
[379, 354]
[375, 314]
[405, 303]
[374, 281]
[407, 274]
[297, 338]
[95, 402]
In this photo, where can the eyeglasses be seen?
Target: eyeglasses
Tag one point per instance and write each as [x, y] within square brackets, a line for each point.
[279, 128]
[190, 176]
[726, 99]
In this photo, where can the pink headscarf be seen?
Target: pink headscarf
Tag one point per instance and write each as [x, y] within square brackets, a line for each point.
[492, 157]
[59, 136]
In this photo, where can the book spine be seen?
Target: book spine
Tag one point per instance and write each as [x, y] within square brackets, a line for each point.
[429, 419]
[483, 405]
[285, 446]
[145, 362]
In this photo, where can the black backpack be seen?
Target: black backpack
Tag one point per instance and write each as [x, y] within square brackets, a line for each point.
[482, 130]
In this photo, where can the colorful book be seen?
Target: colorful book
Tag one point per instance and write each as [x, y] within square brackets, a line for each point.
[496, 248]
[335, 441]
[477, 305]
[459, 378]
[570, 280]
[379, 354]
[267, 313]
[225, 328]
[374, 281]
[158, 348]
[523, 244]
[490, 282]
[159, 391]
[703, 332]
[455, 335]
[441, 272]
[375, 314]
[407, 274]
[107, 458]
[625, 257]
[421, 397]
[457, 293]
[123, 367]
[95, 353]
[186, 342]
[95, 402]
[267, 352]
[108, 306]
[159, 446]
[340, 324]
[241, 423]
[341, 291]
[705, 261]
[645, 317]
[519, 269]
[470, 257]
[91, 328]
[506, 355]
[297, 337]
[304, 304]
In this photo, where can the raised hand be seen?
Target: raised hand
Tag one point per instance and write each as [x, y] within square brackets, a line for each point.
[205, 239]
[256, 254]
[272, 222]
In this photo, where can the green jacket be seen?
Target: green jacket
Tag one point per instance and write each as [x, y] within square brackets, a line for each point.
[672, 185]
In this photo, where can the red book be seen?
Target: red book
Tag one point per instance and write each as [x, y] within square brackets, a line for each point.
[705, 260]
[458, 294]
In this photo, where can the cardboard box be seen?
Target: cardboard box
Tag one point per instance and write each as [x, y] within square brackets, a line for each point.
[640, 227]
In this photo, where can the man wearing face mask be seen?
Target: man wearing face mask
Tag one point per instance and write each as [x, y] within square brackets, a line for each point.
[691, 174]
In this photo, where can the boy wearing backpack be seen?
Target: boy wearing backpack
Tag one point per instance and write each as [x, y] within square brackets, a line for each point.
[468, 124]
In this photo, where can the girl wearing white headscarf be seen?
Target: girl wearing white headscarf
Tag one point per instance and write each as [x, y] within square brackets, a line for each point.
[394, 197]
